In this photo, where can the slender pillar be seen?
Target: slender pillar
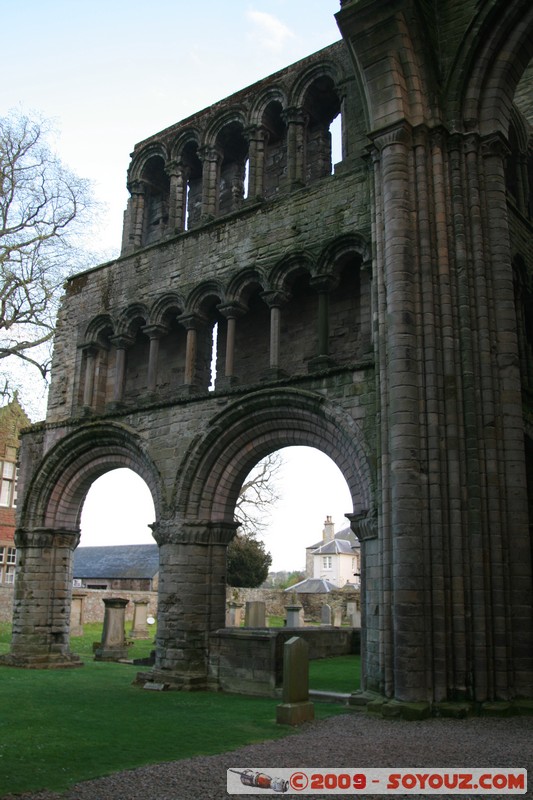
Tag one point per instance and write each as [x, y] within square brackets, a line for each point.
[257, 138]
[211, 159]
[42, 600]
[296, 120]
[121, 344]
[192, 323]
[90, 351]
[231, 311]
[178, 196]
[275, 300]
[191, 598]
[137, 189]
[154, 332]
[323, 285]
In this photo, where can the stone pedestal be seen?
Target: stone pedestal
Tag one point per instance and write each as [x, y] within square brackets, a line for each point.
[140, 626]
[295, 616]
[113, 645]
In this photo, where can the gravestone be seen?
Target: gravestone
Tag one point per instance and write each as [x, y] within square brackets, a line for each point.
[140, 616]
[296, 707]
[337, 617]
[113, 644]
[76, 613]
[325, 614]
[255, 614]
[295, 616]
[234, 614]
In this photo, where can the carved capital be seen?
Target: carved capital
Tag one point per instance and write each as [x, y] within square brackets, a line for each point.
[364, 525]
[275, 298]
[400, 133]
[232, 310]
[192, 322]
[47, 537]
[201, 532]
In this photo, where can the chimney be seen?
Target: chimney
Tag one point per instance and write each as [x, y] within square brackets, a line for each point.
[329, 530]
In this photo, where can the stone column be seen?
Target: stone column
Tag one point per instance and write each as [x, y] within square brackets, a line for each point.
[191, 600]
[296, 707]
[42, 599]
[211, 159]
[121, 344]
[295, 615]
[403, 544]
[275, 300]
[296, 120]
[90, 351]
[232, 312]
[191, 322]
[234, 615]
[177, 207]
[139, 628]
[113, 645]
[257, 138]
[154, 332]
[138, 191]
[323, 285]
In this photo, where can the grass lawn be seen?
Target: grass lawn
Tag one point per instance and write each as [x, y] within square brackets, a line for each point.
[58, 727]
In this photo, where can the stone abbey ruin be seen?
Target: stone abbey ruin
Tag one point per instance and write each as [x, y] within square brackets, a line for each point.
[379, 309]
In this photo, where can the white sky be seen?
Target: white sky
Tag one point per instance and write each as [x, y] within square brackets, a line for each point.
[110, 73]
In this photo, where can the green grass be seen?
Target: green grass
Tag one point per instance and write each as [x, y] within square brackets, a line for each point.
[339, 674]
[58, 727]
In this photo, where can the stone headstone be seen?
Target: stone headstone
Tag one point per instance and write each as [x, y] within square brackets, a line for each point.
[337, 617]
[76, 613]
[295, 616]
[255, 614]
[296, 707]
[325, 614]
[113, 644]
[140, 616]
[234, 614]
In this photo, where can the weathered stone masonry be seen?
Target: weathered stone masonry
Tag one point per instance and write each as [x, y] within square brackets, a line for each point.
[380, 313]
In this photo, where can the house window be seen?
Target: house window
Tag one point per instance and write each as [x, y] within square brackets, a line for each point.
[2, 554]
[10, 574]
[8, 494]
[11, 555]
[326, 562]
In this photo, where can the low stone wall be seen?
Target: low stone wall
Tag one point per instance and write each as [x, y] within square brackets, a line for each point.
[250, 661]
[275, 601]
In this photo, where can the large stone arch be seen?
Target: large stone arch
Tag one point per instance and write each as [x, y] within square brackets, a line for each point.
[48, 534]
[257, 425]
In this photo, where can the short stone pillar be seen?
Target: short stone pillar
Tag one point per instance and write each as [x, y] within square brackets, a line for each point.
[337, 617]
[325, 614]
[255, 614]
[295, 616]
[113, 644]
[76, 613]
[296, 707]
[234, 614]
[139, 628]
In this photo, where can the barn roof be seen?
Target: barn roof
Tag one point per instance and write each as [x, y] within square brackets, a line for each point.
[117, 561]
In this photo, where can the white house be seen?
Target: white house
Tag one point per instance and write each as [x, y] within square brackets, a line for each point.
[334, 562]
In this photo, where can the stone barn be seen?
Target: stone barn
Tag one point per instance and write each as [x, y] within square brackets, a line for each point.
[378, 309]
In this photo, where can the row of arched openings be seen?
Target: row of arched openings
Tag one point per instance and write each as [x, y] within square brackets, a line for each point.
[281, 144]
[250, 331]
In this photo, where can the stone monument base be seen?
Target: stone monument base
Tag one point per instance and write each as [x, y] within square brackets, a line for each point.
[295, 713]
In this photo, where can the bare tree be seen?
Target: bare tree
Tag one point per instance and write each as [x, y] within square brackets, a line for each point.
[43, 207]
[258, 494]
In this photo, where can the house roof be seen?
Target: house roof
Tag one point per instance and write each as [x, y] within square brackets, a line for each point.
[313, 586]
[346, 534]
[334, 546]
[117, 561]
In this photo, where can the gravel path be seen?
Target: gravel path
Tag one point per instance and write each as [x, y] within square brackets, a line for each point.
[350, 740]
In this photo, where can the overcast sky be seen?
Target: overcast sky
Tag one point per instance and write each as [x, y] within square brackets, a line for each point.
[110, 73]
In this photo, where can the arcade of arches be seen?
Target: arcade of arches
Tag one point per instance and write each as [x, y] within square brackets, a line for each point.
[378, 309]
